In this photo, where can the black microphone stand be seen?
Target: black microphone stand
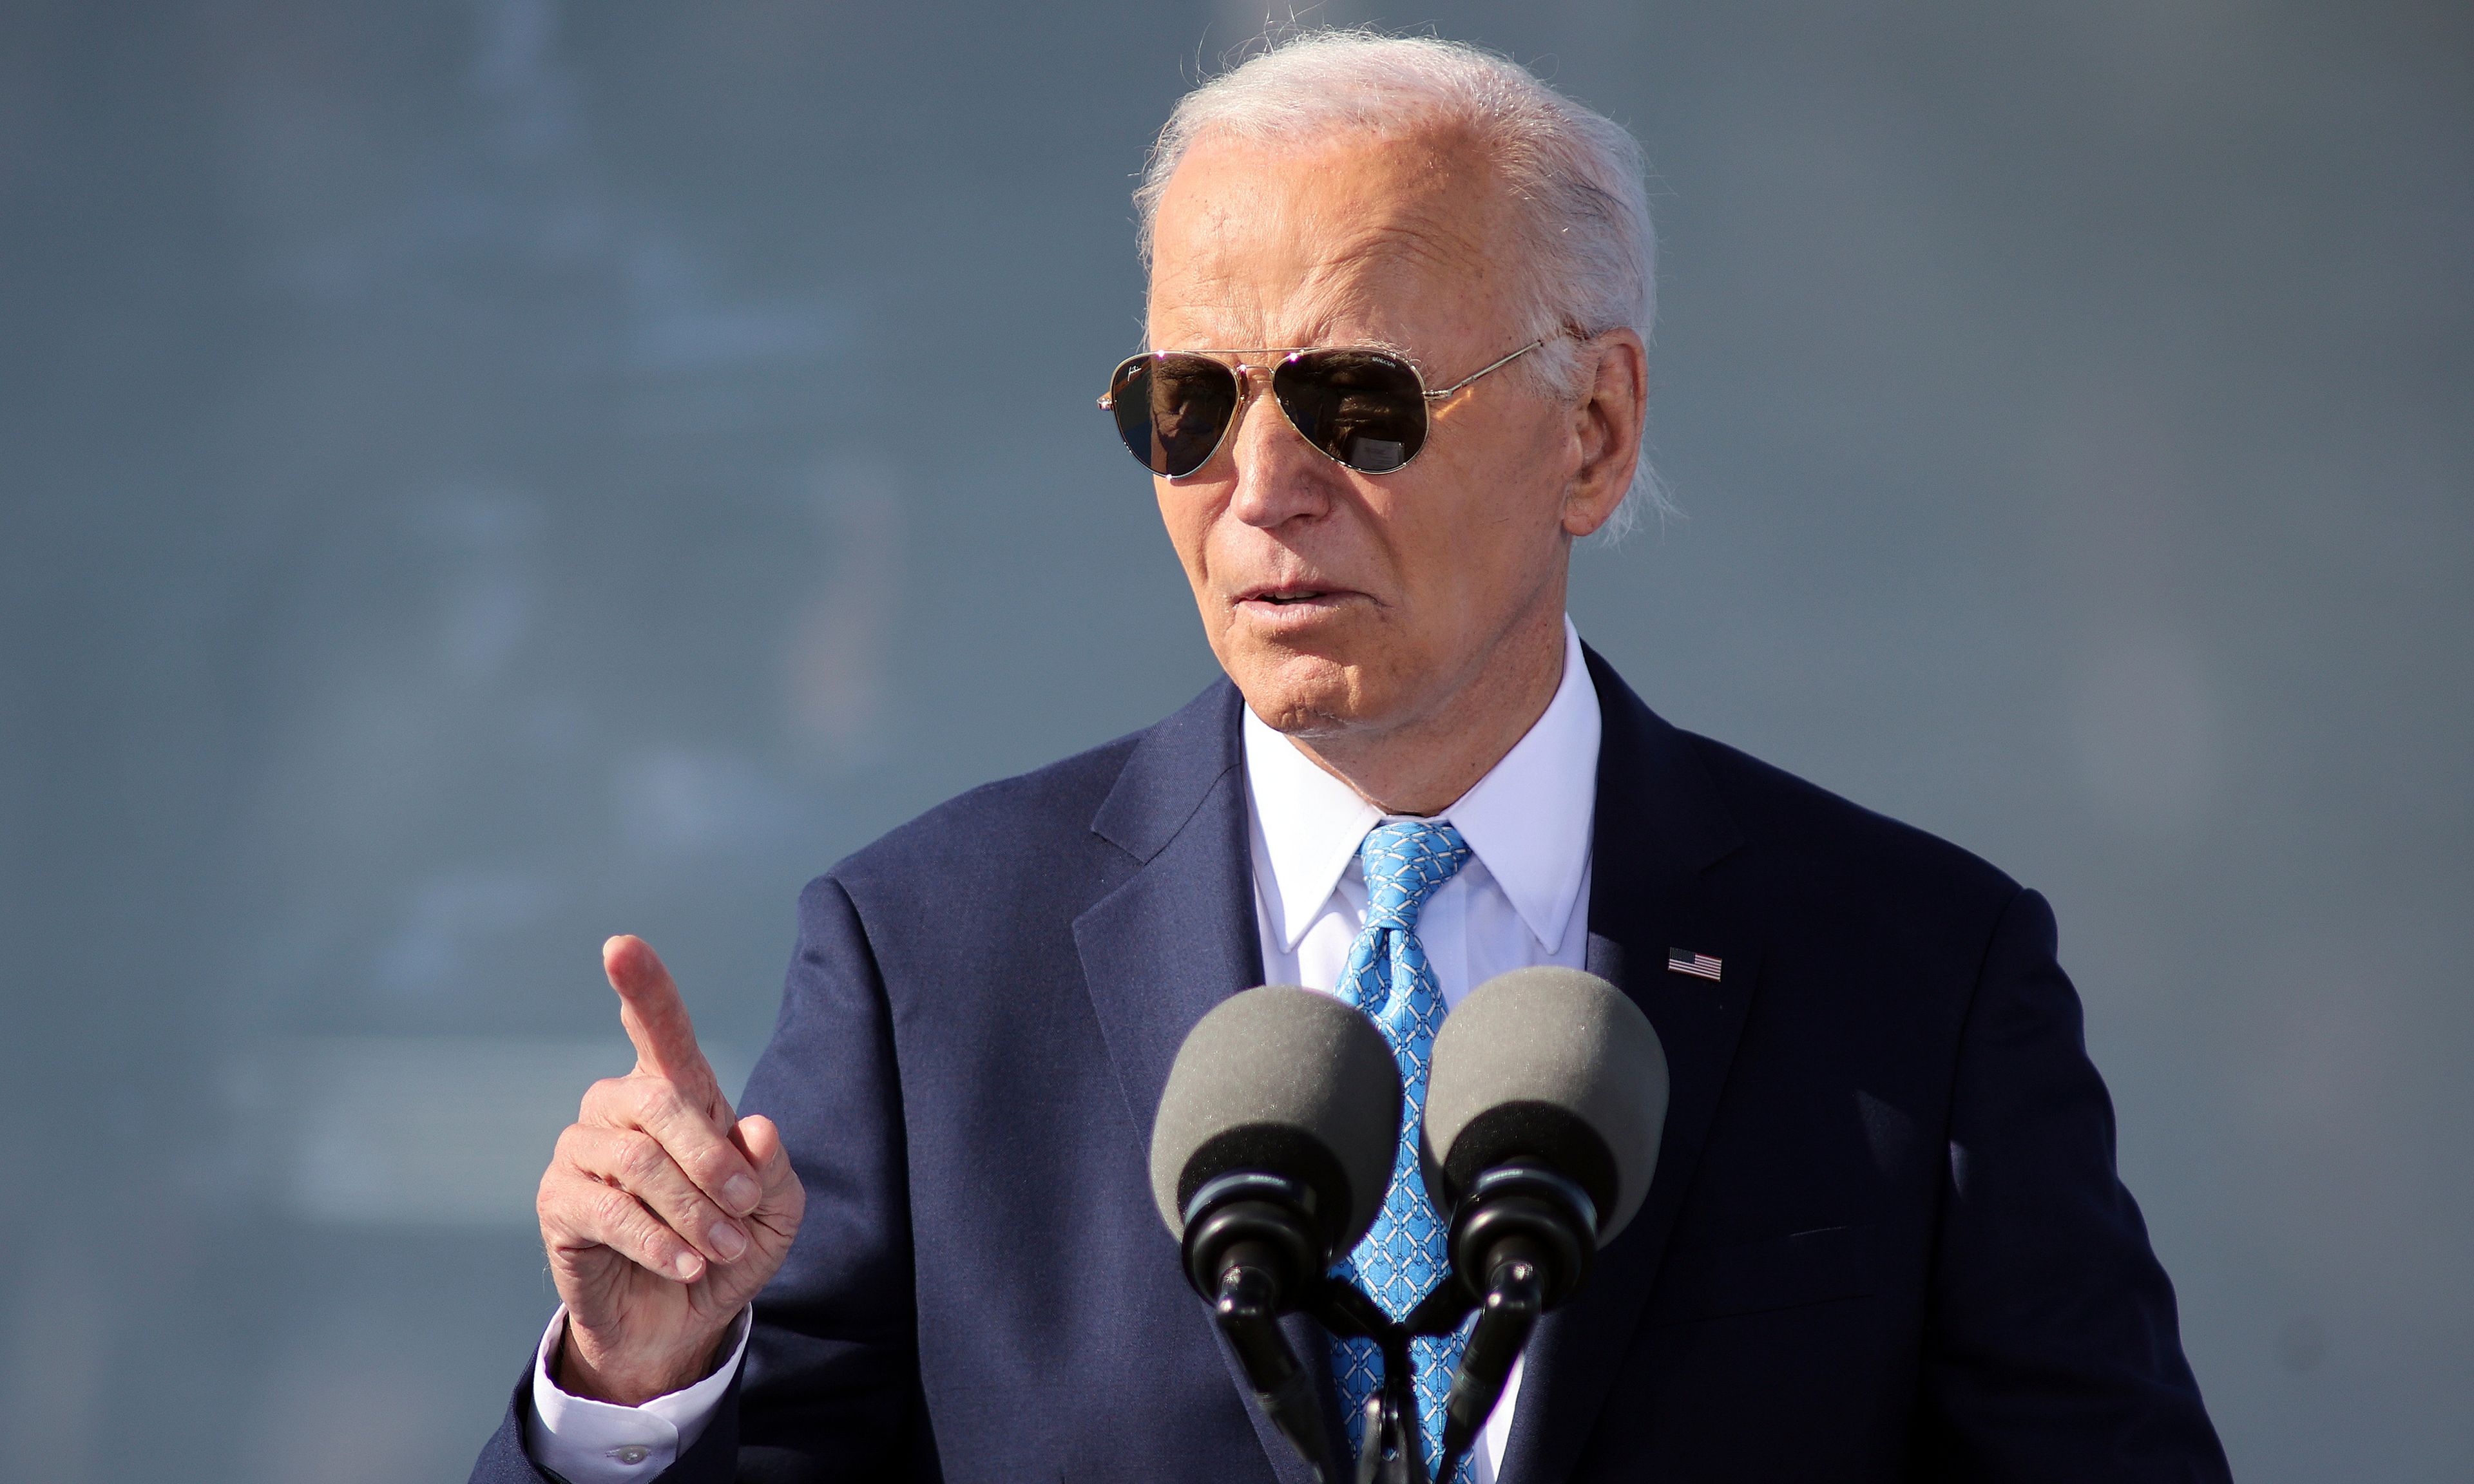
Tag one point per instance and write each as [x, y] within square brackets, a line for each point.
[1392, 1452]
[1520, 1242]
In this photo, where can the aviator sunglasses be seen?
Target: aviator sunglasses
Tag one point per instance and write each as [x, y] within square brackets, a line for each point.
[1364, 408]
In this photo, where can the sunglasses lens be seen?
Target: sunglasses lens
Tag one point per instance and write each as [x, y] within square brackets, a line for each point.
[1171, 409]
[1362, 407]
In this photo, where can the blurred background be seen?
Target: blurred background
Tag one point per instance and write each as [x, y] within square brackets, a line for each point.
[475, 477]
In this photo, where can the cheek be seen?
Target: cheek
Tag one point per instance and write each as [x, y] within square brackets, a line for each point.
[1525, 471]
[1200, 536]
[1188, 526]
[1489, 521]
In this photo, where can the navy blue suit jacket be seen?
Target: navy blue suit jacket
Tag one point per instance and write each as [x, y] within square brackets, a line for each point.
[1885, 1239]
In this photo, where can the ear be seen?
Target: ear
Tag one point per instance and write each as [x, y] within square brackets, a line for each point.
[1607, 424]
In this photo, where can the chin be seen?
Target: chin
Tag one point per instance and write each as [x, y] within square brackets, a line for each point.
[1296, 694]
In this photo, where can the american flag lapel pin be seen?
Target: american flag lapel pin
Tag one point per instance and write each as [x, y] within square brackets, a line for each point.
[1699, 965]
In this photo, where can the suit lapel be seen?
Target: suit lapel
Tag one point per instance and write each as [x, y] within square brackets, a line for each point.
[1659, 825]
[1178, 938]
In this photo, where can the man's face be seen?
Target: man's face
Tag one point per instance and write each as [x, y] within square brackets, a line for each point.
[1339, 602]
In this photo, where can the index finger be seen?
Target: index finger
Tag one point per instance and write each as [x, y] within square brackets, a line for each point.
[657, 1021]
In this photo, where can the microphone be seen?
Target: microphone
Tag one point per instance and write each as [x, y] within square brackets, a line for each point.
[1544, 1106]
[1270, 1158]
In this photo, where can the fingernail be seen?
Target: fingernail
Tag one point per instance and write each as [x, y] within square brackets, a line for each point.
[726, 1240]
[740, 1192]
[689, 1266]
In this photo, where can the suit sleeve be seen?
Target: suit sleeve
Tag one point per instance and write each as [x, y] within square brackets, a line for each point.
[830, 1388]
[2051, 1347]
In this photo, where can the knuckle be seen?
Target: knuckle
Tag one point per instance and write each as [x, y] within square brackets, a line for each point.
[616, 1212]
[565, 1201]
[713, 1164]
[656, 1099]
[601, 1099]
[640, 1158]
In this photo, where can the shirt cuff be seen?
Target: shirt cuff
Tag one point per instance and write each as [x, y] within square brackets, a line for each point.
[590, 1442]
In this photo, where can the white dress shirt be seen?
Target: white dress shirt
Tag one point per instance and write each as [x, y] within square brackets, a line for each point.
[1521, 900]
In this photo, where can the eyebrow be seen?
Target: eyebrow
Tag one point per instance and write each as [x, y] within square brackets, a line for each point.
[1389, 347]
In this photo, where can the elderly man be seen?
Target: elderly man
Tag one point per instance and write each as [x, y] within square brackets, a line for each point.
[1398, 297]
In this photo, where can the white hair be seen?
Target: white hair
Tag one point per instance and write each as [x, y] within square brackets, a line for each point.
[1591, 258]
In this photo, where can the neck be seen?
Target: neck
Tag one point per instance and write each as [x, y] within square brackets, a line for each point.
[1423, 765]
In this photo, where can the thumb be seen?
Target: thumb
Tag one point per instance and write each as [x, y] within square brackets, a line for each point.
[761, 1141]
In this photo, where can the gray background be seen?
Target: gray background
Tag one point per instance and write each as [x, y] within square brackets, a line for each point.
[465, 490]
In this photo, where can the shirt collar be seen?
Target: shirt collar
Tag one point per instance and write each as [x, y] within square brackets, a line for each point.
[1528, 819]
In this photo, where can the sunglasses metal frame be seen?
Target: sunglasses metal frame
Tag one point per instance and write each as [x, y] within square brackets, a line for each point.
[1245, 377]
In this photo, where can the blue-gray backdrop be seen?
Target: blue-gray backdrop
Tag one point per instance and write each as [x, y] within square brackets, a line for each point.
[479, 476]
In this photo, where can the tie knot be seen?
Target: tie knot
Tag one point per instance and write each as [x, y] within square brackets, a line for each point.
[1404, 862]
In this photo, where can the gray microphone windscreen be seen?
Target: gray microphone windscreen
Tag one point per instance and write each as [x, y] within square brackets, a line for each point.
[1287, 1081]
[1554, 1066]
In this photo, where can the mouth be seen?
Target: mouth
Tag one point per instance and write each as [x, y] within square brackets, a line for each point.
[1292, 600]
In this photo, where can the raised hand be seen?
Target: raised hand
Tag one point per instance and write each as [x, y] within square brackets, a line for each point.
[662, 1213]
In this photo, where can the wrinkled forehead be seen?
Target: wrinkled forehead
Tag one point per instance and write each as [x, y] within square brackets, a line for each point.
[1358, 235]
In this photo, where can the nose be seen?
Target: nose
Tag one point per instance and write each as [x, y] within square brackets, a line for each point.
[1279, 476]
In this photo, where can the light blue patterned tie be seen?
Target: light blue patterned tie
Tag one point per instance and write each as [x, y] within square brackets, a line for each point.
[1403, 1256]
